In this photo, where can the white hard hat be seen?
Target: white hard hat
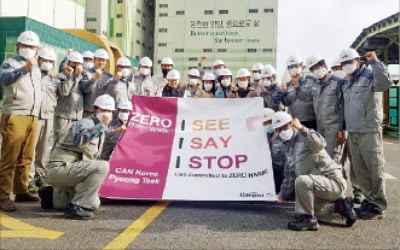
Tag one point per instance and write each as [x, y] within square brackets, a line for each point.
[243, 72]
[124, 61]
[225, 72]
[218, 62]
[295, 59]
[29, 38]
[268, 114]
[336, 63]
[173, 75]
[208, 77]
[88, 54]
[101, 53]
[48, 54]
[313, 60]
[145, 61]
[257, 67]
[167, 61]
[75, 56]
[105, 102]
[194, 72]
[268, 71]
[348, 54]
[280, 119]
[125, 105]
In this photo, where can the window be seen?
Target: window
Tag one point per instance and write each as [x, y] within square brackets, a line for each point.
[179, 50]
[208, 12]
[221, 50]
[207, 50]
[137, 57]
[119, 15]
[251, 50]
[137, 42]
[253, 11]
[180, 12]
[162, 45]
[143, 45]
[138, 11]
[91, 19]
[163, 5]
[118, 34]
[92, 30]
[163, 30]
[267, 50]
[192, 59]
[120, 1]
[138, 24]
[268, 10]
[163, 14]
[207, 68]
[223, 12]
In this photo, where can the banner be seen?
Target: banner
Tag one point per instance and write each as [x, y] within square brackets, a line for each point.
[192, 149]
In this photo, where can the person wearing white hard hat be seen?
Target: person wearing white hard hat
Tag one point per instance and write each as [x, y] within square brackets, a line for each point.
[208, 86]
[269, 90]
[120, 87]
[194, 82]
[362, 114]
[172, 89]
[20, 78]
[336, 69]
[225, 84]
[217, 66]
[64, 62]
[243, 89]
[161, 81]
[88, 60]
[256, 70]
[71, 90]
[304, 111]
[117, 126]
[144, 84]
[98, 80]
[74, 170]
[316, 178]
[44, 141]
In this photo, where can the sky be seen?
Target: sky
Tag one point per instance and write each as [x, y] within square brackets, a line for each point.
[325, 27]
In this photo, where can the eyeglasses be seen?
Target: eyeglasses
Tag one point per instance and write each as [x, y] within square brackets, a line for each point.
[347, 62]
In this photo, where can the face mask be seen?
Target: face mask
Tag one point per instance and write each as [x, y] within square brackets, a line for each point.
[267, 83]
[46, 66]
[268, 129]
[225, 82]
[208, 86]
[104, 114]
[123, 117]
[339, 73]
[27, 53]
[256, 76]
[349, 68]
[88, 65]
[295, 71]
[319, 73]
[165, 72]
[243, 84]
[287, 134]
[125, 72]
[145, 71]
[193, 81]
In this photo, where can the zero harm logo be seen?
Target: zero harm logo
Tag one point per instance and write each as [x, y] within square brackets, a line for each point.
[251, 194]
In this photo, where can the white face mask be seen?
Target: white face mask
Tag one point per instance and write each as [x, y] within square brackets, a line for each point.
[123, 117]
[125, 72]
[27, 53]
[193, 81]
[286, 134]
[104, 114]
[339, 73]
[349, 68]
[256, 76]
[319, 73]
[225, 82]
[243, 84]
[208, 86]
[88, 65]
[295, 71]
[267, 83]
[145, 71]
[46, 66]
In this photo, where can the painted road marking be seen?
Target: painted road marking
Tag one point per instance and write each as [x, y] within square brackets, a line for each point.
[21, 229]
[389, 176]
[123, 240]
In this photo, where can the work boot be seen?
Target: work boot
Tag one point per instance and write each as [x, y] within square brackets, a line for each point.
[26, 197]
[370, 211]
[46, 197]
[304, 222]
[77, 213]
[8, 205]
[357, 198]
[345, 208]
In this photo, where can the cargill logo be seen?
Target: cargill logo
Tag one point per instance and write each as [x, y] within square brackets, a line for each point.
[251, 194]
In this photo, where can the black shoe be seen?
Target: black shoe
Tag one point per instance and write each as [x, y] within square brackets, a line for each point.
[357, 199]
[345, 208]
[77, 213]
[46, 197]
[304, 222]
[370, 211]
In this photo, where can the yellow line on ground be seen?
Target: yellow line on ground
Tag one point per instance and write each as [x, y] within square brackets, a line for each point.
[123, 240]
[21, 229]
